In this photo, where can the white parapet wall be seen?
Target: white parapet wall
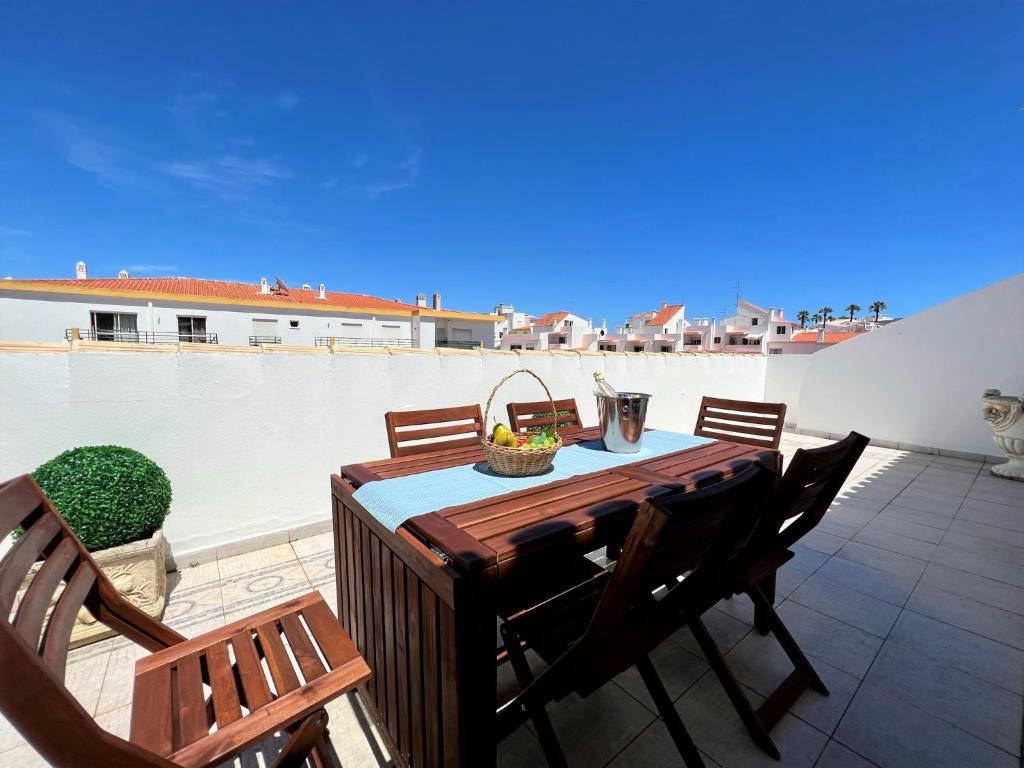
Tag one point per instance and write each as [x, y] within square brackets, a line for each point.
[249, 437]
[916, 383]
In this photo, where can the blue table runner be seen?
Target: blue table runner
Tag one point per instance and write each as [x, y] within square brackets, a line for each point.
[395, 500]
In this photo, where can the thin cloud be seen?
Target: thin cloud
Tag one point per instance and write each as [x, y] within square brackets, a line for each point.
[230, 176]
[14, 232]
[287, 101]
[408, 173]
[330, 183]
[87, 148]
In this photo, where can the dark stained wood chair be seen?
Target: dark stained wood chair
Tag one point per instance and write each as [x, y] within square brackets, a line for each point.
[801, 499]
[189, 695]
[741, 421]
[534, 417]
[430, 425]
[611, 622]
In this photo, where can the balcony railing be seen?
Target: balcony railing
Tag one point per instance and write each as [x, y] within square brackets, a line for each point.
[354, 341]
[141, 337]
[459, 344]
[255, 341]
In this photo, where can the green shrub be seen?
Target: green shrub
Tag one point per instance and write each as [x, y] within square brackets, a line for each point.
[109, 495]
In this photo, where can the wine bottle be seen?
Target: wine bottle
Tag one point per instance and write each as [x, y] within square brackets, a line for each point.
[604, 389]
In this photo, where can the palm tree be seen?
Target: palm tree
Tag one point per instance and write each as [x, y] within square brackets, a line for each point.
[816, 318]
[803, 316]
[851, 308]
[878, 307]
[826, 315]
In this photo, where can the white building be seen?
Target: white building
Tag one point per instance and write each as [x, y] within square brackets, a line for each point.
[554, 330]
[175, 309]
[662, 330]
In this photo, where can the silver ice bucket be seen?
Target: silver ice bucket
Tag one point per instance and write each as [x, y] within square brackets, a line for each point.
[622, 421]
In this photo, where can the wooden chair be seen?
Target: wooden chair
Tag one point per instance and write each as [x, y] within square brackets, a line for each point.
[448, 422]
[805, 492]
[741, 421]
[173, 717]
[534, 417]
[596, 630]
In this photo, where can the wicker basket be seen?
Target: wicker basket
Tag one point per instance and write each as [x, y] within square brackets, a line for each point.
[519, 462]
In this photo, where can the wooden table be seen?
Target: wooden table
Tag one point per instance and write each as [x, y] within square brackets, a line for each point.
[421, 603]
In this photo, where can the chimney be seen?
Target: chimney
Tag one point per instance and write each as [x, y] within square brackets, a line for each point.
[821, 335]
[81, 273]
[421, 300]
[323, 292]
[437, 301]
[123, 275]
[264, 286]
[307, 287]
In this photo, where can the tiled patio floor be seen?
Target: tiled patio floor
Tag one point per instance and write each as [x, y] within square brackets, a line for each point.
[909, 599]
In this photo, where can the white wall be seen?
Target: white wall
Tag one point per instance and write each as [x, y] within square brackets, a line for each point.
[28, 317]
[919, 381]
[249, 439]
[783, 380]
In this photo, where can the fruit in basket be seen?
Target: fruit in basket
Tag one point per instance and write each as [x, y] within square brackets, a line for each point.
[502, 435]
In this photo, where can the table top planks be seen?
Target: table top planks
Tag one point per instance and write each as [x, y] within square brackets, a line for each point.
[500, 529]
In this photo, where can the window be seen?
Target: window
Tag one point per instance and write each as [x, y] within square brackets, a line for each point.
[293, 324]
[718, 340]
[514, 347]
[191, 329]
[606, 347]
[775, 351]
[693, 340]
[780, 329]
[638, 347]
[568, 323]
[753, 321]
[115, 326]
[561, 340]
[666, 347]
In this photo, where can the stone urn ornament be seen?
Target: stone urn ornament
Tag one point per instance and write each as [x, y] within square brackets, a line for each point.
[1006, 415]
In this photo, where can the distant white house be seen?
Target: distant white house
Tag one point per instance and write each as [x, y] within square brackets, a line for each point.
[182, 309]
[554, 330]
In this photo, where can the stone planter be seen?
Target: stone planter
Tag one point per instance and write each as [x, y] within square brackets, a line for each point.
[138, 572]
[1004, 413]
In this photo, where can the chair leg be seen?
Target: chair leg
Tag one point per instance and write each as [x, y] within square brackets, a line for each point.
[545, 731]
[303, 741]
[676, 728]
[732, 688]
[789, 645]
[762, 620]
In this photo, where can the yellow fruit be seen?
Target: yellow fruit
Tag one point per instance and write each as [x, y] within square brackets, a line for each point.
[499, 433]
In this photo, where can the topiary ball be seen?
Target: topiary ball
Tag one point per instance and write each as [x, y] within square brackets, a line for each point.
[109, 495]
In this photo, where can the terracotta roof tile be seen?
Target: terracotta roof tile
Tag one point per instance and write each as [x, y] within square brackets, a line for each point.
[551, 318]
[830, 338]
[663, 316]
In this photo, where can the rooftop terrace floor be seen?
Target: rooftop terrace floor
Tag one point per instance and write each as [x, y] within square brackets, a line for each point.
[908, 598]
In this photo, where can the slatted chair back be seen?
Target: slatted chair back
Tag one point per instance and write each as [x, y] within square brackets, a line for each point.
[535, 417]
[34, 639]
[806, 491]
[694, 532]
[433, 430]
[741, 421]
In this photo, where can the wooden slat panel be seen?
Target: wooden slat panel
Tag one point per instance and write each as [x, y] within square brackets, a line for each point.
[465, 442]
[255, 690]
[401, 644]
[417, 712]
[367, 592]
[18, 499]
[337, 647]
[281, 670]
[435, 415]
[433, 714]
[749, 406]
[62, 620]
[717, 413]
[744, 429]
[36, 601]
[426, 433]
[387, 598]
[341, 579]
[151, 711]
[449, 678]
[226, 705]
[26, 550]
[191, 714]
[302, 648]
[379, 667]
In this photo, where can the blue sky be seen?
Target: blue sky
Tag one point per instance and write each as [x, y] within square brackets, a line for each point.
[601, 157]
